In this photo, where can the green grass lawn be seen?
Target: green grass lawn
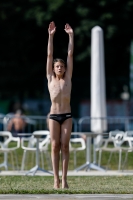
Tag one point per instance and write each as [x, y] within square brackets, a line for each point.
[77, 185]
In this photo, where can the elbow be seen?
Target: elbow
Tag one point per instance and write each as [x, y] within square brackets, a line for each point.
[70, 53]
[49, 55]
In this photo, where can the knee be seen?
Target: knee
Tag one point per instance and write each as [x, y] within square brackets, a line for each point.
[55, 146]
[65, 148]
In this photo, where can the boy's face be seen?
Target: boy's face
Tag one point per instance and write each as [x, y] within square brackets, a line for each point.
[59, 68]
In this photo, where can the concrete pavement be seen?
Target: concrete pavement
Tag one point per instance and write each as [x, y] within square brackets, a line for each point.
[72, 173]
[67, 197]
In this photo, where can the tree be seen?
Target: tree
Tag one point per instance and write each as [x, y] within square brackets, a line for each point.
[24, 42]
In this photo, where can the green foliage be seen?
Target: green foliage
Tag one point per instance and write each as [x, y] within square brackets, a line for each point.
[42, 12]
[24, 36]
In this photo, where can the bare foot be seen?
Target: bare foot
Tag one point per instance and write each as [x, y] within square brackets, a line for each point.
[64, 185]
[56, 184]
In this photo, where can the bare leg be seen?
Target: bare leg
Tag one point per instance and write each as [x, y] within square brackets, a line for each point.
[66, 128]
[55, 153]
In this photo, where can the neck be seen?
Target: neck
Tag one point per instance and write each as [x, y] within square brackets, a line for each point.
[59, 77]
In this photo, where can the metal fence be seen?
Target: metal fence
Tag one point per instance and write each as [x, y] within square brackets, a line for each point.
[33, 123]
[83, 124]
[113, 123]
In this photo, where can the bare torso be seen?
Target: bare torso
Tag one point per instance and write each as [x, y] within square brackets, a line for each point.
[17, 122]
[60, 91]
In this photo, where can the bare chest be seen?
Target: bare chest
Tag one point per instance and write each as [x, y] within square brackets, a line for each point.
[59, 87]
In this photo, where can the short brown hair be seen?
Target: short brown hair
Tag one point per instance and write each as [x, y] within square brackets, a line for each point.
[59, 60]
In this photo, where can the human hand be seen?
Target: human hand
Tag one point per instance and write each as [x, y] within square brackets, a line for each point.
[68, 29]
[52, 28]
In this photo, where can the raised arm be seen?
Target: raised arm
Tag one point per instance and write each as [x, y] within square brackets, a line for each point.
[51, 32]
[69, 31]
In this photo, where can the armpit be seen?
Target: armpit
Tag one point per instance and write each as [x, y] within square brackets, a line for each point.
[49, 77]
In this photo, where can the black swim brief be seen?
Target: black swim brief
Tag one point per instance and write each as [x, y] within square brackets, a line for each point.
[60, 117]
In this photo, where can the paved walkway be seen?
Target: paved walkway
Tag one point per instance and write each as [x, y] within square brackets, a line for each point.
[67, 197]
[72, 173]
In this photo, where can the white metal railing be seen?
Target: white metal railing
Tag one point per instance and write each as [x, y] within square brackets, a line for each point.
[33, 123]
[115, 122]
[81, 124]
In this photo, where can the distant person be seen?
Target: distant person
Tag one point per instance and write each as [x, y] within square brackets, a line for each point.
[16, 124]
[15, 105]
[59, 76]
